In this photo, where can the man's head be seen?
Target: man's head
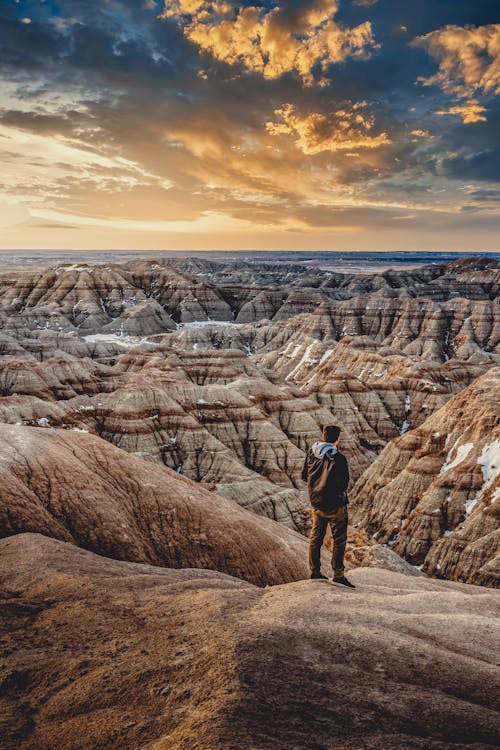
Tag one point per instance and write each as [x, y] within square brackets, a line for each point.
[331, 433]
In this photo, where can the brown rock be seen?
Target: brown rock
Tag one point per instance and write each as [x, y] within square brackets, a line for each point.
[78, 488]
[432, 493]
[226, 371]
[100, 653]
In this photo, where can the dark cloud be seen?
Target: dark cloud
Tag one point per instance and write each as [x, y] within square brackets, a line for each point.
[490, 195]
[484, 165]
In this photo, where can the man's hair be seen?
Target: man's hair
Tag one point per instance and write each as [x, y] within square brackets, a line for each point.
[331, 433]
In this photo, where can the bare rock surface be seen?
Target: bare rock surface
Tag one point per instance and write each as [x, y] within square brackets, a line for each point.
[78, 488]
[226, 371]
[216, 419]
[433, 493]
[101, 653]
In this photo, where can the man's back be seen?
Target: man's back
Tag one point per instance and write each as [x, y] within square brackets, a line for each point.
[327, 475]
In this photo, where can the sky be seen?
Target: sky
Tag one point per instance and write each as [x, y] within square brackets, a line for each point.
[300, 124]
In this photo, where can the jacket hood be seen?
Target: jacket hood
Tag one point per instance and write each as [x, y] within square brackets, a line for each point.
[324, 450]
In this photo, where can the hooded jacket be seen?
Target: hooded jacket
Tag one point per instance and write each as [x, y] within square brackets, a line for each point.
[327, 475]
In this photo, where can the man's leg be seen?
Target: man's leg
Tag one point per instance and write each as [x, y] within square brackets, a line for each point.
[316, 536]
[338, 525]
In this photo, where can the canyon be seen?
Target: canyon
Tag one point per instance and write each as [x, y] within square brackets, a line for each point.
[225, 372]
[154, 418]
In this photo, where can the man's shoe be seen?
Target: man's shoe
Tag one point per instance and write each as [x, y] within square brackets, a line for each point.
[317, 576]
[344, 581]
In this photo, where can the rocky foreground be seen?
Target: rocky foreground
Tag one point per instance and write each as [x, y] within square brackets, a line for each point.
[100, 653]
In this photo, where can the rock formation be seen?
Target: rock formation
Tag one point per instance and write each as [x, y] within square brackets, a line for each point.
[78, 488]
[225, 372]
[100, 653]
[433, 493]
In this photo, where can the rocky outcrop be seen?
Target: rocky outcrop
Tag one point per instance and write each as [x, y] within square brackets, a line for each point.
[433, 493]
[77, 488]
[374, 392]
[117, 654]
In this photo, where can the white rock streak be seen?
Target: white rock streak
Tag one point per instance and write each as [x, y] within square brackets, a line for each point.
[203, 323]
[490, 464]
[112, 338]
[461, 454]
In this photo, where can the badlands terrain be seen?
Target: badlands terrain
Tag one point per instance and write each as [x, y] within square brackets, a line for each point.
[154, 417]
[224, 373]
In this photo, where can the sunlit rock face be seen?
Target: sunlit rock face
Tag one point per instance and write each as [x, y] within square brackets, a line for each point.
[126, 655]
[433, 493]
[78, 488]
[225, 372]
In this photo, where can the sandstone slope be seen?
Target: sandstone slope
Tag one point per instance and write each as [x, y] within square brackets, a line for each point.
[212, 418]
[389, 332]
[100, 653]
[433, 493]
[78, 488]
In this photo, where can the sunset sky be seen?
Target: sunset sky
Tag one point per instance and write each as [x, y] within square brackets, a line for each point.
[186, 124]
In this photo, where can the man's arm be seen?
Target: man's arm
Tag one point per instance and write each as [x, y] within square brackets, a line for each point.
[304, 468]
[343, 474]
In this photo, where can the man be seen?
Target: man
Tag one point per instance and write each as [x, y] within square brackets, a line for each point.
[327, 476]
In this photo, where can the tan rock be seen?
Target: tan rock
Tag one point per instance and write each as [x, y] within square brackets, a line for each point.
[100, 653]
[78, 488]
[226, 371]
[432, 493]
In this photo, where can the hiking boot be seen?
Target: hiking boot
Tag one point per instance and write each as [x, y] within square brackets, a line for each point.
[344, 581]
[316, 575]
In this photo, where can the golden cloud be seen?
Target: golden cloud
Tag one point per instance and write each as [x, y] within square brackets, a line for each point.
[272, 42]
[470, 111]
[342, 130]
[469, 62]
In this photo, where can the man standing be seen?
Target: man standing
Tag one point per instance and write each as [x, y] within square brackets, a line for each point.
[327, 475]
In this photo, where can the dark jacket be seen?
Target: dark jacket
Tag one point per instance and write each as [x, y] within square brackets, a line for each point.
[327, 480]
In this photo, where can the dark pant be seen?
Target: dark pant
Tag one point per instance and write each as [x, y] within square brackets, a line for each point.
[338, 525]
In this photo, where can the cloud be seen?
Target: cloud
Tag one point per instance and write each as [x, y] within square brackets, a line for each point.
[287, 38]
[470, 111]
[483, 165]
[491, 195]
[469, 65]
[12, 214]
[342, 130]
[42, 169]
[113, 118]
